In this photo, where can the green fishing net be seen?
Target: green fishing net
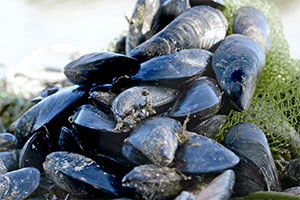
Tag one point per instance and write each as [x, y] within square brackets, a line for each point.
[275, 106]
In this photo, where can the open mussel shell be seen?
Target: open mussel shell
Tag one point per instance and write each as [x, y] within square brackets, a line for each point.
[156, 138]
[256, 170]
[153, 182]
[214, 3]
[9, 161]
[96, 68]
[80, 175]
[19, 184]
[251, 22]
[238, 64]
[34, 151]
[220, 188]
[174, 67]
[200, 155]
[7, 141]
[199, 27]
[202, 99]
[47, 113]
[209, 127]
[138, 102]
[96, 131]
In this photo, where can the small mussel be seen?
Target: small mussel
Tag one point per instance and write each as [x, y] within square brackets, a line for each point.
[202, 99]
[97, 68]
[251, 22]
[153, 182]
[96, 131]
[80, 175]
[7, 142]
[200, 155]
[139, 102]
[34, 151]
[19, 184]
[220, 188]
[256, 170]
[175, 67]
[47, 114]
[214, 3]
[156, 138]
[238, 64]
[199, 27]
[9, 161]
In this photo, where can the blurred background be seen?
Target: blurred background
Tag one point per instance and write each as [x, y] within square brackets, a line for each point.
[46, 32]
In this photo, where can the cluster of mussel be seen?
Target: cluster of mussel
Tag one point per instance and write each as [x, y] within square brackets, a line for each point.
[142, 125]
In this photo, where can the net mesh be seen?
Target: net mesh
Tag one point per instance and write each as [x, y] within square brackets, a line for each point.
[275, 104]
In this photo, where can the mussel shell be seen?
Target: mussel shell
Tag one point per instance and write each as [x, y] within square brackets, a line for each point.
[220, 188]
[293, 190]
[96, 131]
[68, 141]
[256, 170]
[201, 155]
[209, 127]
[19, 184]
[80, 175]
[173, 8]
[102, 99]
[199, 27]
[156, 138]
[292, 171]
[153, 182]
[51, 110]
[34, 151]
[9, 161]
[174, 67]
[238, 64]
[251, 22]
[144, 22]
[133, 155]
[7, 142]
[159, 98]
[202, 99]
[214, 3]
[97, 68]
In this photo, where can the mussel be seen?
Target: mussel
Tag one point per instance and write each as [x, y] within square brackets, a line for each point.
[7, 142]
[238, 64]
[252, 23]
[256, 170]
[199, 27]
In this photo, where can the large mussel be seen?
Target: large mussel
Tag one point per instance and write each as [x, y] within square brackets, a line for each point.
[199, 27]
[238, 64]
[256, 170]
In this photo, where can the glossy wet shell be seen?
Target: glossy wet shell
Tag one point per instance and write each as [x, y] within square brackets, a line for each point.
[173, 8]
[97, 131]
[238, 64]
[156, 138]
[202, 99]
[256, 170]
[252, 23]
[175, 66]
[46, 111]
[34, 151]
[133, 155]
[9, 161]
[199, 27]
[7, 142]
[220, 188]
[98, 67]
[153, 182]
[201, 155]
[134, 99]
[19, 184]
[68, 141]
[78, 174]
